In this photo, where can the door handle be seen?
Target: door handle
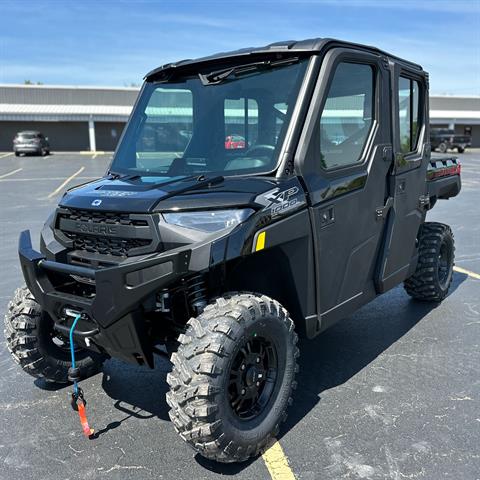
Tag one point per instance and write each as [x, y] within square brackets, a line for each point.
[327, 216]
[381, 212]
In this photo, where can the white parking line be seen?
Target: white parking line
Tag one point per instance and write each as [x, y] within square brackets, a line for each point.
[45, 179]
[69, 179]
[10, 173]
[4, 155]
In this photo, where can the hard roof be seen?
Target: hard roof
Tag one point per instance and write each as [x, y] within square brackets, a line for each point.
[313, 45]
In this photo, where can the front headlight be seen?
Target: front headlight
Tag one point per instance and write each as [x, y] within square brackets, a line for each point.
[211, 221]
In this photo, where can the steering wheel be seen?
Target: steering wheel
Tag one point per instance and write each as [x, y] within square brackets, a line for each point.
[256, 150]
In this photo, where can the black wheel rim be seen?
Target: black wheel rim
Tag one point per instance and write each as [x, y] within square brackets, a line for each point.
[253, 376]
[444, 263]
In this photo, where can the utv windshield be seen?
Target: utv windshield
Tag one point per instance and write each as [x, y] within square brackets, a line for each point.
[225, 122]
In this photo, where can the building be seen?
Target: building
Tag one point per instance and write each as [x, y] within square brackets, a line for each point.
[73, 118]
[92, 118]
[461, 114]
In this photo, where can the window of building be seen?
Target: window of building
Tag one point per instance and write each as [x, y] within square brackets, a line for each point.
[347, 116]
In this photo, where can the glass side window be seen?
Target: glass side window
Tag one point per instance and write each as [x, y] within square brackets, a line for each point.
[409, 113]
[347, 116]
[241, 123]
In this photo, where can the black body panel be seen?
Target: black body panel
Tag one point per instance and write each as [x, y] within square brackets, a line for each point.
[345, 200]
[144, 194]
[322, 240]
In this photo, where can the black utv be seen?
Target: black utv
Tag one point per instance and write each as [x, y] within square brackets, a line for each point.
[220, 256]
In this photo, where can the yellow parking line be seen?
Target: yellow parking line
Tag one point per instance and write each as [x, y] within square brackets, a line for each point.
[92, 152]
[5, 155]
[467, 272]
[277, 463]
[69, 179]
[11, 173]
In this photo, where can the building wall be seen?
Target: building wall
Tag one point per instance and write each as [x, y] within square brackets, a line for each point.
[460, 130]
[107, 134]
[63, 136]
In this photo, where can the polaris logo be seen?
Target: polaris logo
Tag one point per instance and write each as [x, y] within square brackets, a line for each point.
[95, 228]
[96, 203]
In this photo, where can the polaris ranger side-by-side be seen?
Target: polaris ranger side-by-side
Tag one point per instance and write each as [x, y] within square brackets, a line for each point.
[221, 255]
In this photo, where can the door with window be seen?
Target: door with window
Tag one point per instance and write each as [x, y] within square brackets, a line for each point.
[412, 152]
[346, 168]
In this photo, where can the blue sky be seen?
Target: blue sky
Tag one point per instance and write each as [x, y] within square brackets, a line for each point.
[117, 42]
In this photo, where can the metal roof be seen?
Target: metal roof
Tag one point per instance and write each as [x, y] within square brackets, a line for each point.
[67, 95]
[308, 46]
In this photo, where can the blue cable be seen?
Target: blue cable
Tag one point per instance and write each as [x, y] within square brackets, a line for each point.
[72, 349]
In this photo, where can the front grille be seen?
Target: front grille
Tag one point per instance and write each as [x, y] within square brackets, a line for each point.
[106, 246]
[110, 218]
[106, 233]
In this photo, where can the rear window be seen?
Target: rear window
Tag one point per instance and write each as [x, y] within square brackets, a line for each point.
[27, 136]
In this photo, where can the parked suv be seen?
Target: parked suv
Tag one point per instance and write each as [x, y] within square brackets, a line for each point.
[221, 256]
[31, 142]
[442, 139]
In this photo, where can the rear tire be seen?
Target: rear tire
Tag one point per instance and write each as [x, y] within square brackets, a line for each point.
[233, 376]
[442, 148]
[31, 341]
[436, 253]
[17, 154]
[460, 149]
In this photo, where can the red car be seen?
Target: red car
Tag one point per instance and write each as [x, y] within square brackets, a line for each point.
[234, 141]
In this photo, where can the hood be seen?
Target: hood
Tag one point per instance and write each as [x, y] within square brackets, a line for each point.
[144, 194]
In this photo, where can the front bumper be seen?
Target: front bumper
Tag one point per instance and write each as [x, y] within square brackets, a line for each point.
[114, 307]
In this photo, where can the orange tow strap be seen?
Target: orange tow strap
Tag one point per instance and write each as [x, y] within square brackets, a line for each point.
[83, 419]
[78, 401]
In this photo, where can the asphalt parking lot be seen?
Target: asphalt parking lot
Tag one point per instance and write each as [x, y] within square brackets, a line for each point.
[392, 392]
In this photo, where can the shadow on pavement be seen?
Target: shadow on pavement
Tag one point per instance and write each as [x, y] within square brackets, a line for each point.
[349, 346]
[139, 392]
[325, 362]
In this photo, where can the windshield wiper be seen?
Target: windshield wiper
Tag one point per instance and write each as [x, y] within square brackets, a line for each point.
[153, 186]
[202, 182]
[197, 177]
[219, 76]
